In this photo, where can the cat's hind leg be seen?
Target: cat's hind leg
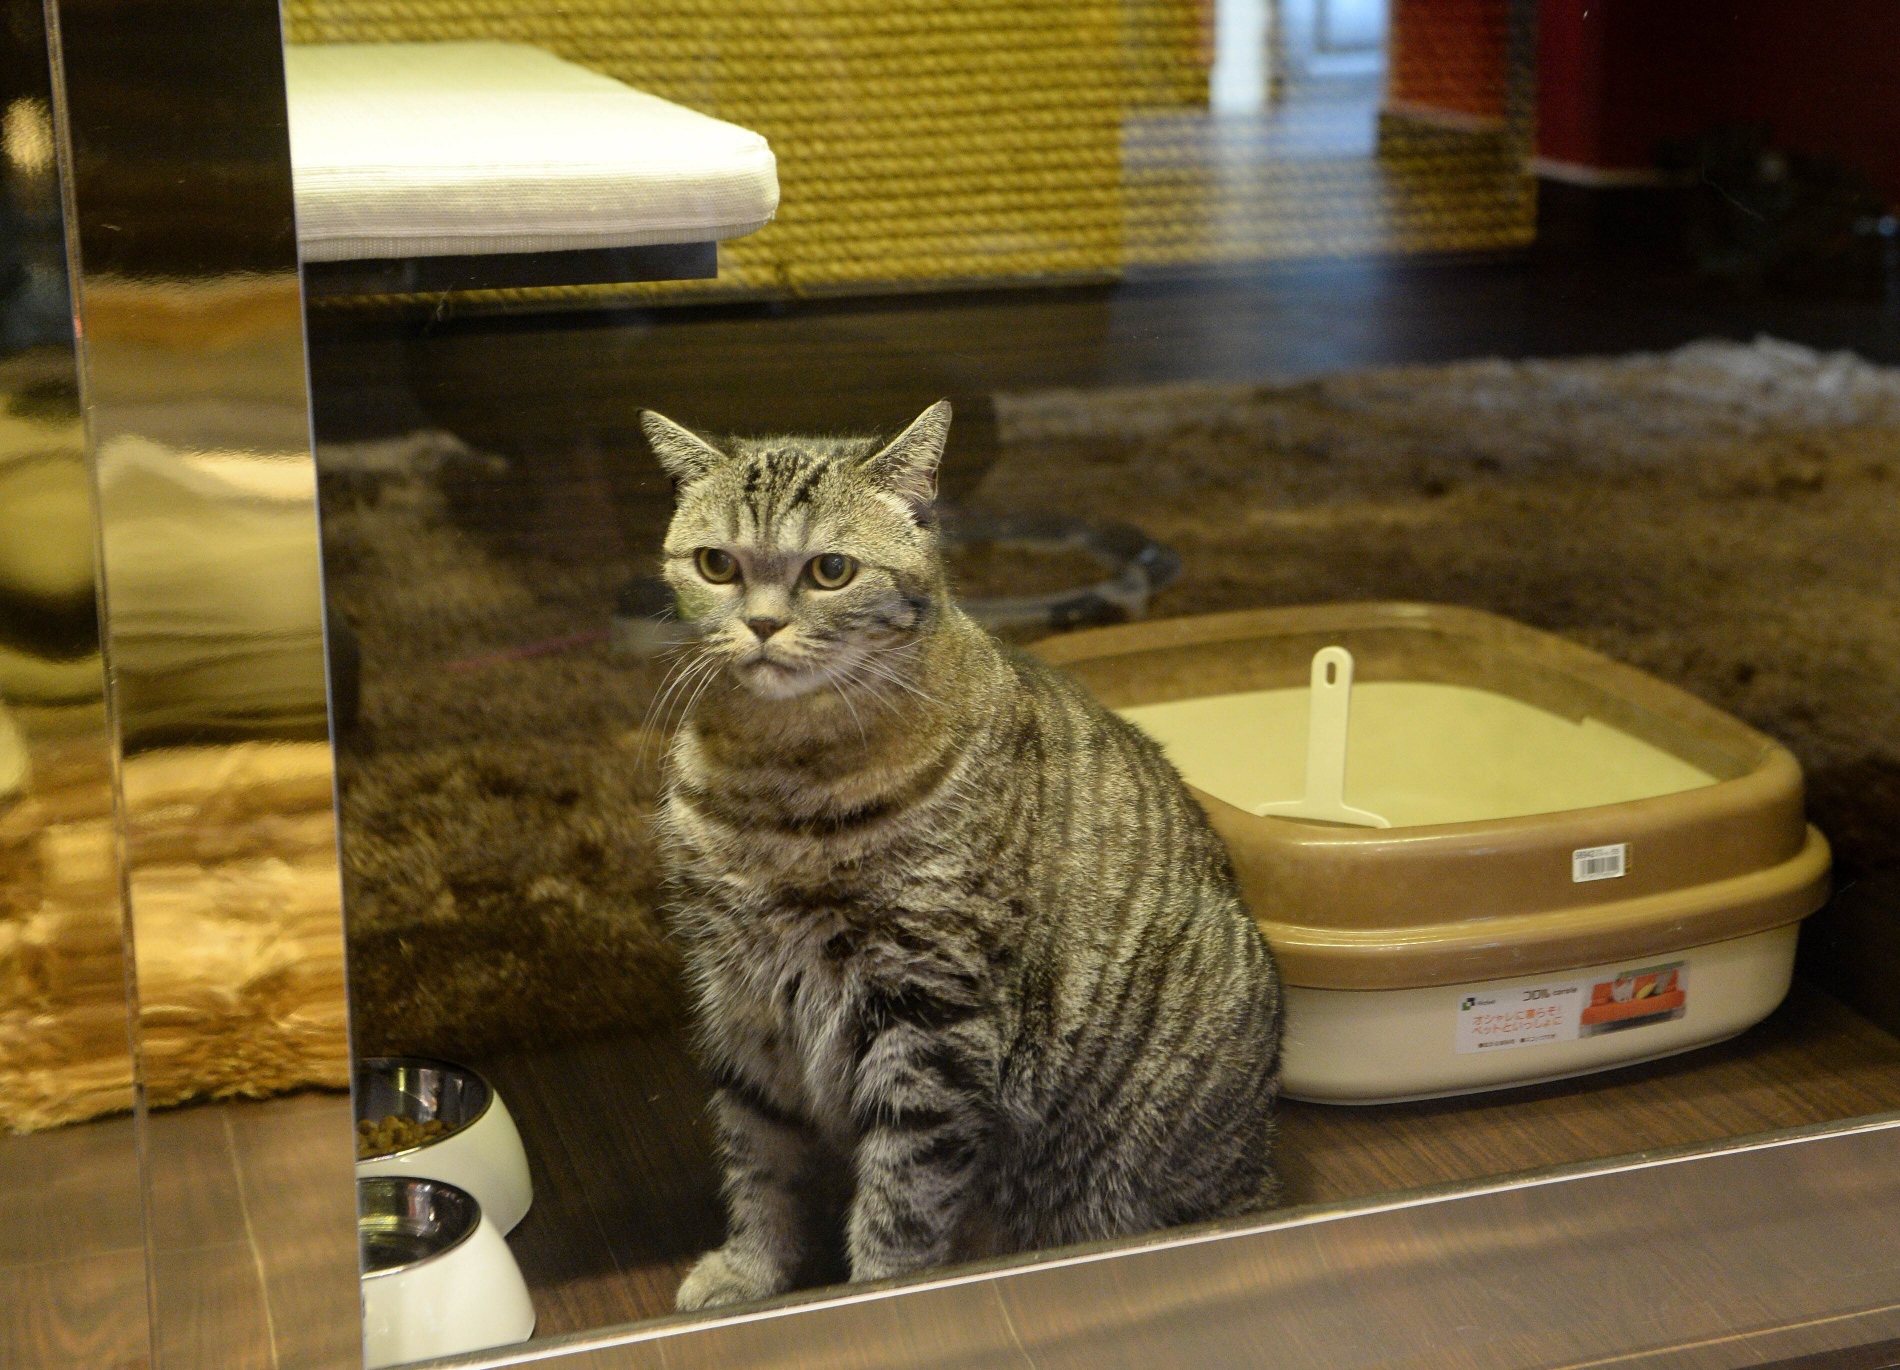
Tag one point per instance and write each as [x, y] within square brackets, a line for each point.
[772, 1162]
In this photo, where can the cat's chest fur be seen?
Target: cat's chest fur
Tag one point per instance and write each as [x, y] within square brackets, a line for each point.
[788, 974]
[805, 896]
[785, 1006]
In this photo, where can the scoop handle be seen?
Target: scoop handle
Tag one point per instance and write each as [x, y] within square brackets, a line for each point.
[1326, 732]
[1326, 729]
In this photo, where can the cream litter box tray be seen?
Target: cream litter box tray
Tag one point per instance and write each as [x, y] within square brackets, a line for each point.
[1483, 856]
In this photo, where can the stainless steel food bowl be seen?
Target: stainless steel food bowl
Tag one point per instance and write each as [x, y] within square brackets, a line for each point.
[420, 1090]
[437, 1277]
[402, 1222]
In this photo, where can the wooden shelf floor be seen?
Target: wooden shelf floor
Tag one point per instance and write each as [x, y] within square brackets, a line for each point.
[626, 1197]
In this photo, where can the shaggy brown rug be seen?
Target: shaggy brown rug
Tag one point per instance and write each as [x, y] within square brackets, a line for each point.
[496, 791]
[1725, 516]
[233, 874]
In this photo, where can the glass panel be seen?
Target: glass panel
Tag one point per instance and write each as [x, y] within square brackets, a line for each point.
[199, 427]
[1292, 311]
[72, 1253]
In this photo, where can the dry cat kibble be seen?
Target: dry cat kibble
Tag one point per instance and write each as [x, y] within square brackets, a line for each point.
[381, 1136]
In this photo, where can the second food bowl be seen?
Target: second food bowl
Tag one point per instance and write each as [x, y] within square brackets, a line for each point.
[437, 1277]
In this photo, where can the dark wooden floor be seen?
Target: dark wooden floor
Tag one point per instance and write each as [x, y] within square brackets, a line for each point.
[72, 1250]
[515, 380]
[625, 1191]
[536, 387]
[249, 1265]
[626, 1194]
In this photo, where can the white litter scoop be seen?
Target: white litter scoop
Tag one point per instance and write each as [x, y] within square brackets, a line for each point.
[1326, 724]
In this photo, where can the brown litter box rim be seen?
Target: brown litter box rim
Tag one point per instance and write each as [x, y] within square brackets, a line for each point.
[1512, 946]
[1364, 908]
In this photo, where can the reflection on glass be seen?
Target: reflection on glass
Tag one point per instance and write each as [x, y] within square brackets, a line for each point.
[197, 416]
[1020, 142]
[72, 1261]
[226, 792]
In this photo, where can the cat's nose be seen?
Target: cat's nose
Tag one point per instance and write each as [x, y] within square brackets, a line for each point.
[764, 627]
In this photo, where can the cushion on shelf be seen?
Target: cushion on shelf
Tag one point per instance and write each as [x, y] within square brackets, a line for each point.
[438, 149]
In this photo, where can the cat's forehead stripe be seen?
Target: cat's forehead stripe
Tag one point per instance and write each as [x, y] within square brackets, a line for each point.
[785, 498]
[778, 482]
[802, 491]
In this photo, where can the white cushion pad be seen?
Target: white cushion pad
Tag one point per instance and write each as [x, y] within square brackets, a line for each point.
[435, 149]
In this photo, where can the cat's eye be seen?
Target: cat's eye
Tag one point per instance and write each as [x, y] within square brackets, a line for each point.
[831, 571]
[717, 566]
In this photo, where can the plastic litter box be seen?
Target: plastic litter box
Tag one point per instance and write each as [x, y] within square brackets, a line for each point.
[1484, 856]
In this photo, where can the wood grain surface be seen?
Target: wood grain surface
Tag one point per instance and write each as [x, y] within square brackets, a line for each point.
[72, 1253]
[244, 1212]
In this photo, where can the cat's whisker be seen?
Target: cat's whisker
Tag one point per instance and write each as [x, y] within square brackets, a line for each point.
[873, 680]
[863, 737]
[656, 706]
[883, 672]
[883, 700]
[698, 690]
[895, 658]
[888, 668]
[675, 676]
[885, 695]
[685, 685]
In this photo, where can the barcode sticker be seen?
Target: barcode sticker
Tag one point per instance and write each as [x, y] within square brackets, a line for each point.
[1599, 863]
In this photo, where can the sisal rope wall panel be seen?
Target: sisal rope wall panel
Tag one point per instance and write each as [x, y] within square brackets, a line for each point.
[923, 143]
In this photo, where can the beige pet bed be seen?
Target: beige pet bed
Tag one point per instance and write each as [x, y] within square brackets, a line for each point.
[438, 149]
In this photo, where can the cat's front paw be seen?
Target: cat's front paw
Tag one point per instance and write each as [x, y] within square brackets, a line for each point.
[717, 1280]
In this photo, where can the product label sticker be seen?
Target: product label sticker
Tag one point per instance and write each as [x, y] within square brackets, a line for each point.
[1527, 1016]
[1599, 863]
[1565, 1010]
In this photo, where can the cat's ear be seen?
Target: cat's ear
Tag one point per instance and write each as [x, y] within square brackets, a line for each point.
[685, 455]
[907, 464]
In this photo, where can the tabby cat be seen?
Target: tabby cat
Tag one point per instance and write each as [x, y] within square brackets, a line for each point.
[971, 971]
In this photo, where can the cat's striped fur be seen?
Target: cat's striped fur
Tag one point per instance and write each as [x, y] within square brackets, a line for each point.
[971, 971]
